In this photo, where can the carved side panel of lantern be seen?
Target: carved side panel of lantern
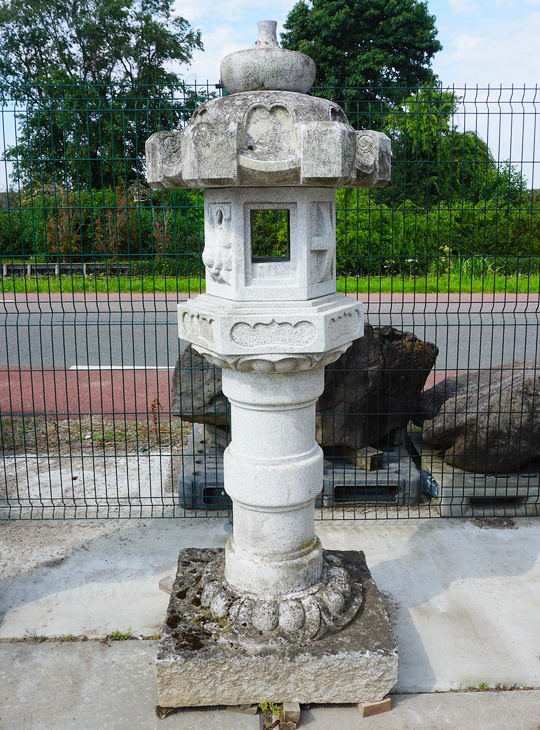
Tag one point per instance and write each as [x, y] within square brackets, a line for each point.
[270, 244]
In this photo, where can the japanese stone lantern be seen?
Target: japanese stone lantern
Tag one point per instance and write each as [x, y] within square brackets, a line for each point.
[269, 158]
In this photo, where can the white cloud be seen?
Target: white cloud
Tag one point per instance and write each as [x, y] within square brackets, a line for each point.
[226, 27]
[501, 53]
[468, 46]
[218, 43]
[463, 6]
[211, 13]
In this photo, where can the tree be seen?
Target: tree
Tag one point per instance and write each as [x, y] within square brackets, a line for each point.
[383, 44]
[94, 78]
[435, 164]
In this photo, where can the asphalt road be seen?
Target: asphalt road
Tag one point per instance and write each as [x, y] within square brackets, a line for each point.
[71, 334]
[143, 334]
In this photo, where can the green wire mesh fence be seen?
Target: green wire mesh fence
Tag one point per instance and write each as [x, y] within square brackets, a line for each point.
[105, 413]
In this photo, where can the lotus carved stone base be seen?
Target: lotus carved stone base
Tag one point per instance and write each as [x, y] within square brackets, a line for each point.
[331, 643]
[325, 608]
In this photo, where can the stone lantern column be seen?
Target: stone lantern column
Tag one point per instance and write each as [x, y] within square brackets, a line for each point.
[269, 158]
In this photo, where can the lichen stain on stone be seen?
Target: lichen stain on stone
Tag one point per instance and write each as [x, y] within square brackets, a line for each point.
[187, 640]
[172, 620]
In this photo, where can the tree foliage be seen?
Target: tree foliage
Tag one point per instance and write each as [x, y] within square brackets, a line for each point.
[434, 163]
[91, 77]
[377, 43]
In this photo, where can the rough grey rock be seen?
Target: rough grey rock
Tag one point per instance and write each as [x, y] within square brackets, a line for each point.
[372, 390]
[196, 394]
[200, 663]
[486, 420]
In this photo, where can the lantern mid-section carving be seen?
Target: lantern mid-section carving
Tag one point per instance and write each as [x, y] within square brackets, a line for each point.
[236, 328]
[270, 244]
[278, 333]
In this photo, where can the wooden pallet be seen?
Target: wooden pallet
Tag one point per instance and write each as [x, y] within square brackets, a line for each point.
[472, 494]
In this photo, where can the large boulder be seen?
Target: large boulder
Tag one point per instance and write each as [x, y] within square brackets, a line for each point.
[372, 391]
[485, 420]
[196, 394]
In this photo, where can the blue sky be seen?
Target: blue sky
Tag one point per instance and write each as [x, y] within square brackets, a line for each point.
[484, 41]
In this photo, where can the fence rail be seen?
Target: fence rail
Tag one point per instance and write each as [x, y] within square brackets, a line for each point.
[104, 413]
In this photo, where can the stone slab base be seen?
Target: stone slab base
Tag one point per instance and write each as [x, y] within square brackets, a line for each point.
[196, 667]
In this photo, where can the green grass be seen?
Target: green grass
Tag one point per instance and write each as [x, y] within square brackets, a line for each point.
[120, 635]
[443, 284]
[103, 284]
[427, 283]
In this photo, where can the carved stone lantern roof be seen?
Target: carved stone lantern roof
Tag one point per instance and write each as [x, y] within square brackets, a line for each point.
[268, 131]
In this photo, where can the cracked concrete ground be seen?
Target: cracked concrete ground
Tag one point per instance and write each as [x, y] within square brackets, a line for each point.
[464, 603]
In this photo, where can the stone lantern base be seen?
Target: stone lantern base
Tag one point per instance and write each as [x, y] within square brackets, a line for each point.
[209, 659]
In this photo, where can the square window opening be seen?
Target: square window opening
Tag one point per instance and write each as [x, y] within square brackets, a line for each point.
[270, 235]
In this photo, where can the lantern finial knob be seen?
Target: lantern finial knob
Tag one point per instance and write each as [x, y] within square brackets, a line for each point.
[267, 67]
[267, 33]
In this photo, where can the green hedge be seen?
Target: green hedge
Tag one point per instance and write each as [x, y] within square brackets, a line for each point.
[163, 234]
[160, 235]
[373, 238]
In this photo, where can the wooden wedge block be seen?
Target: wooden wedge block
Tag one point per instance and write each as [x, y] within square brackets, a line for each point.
[166, 584]
[367, 709]
[290, 712]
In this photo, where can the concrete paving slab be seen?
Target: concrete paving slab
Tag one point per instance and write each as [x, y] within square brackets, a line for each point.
[86, 685]
[106, 580]
[89, 685]
[464, 601]
[436, 711]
